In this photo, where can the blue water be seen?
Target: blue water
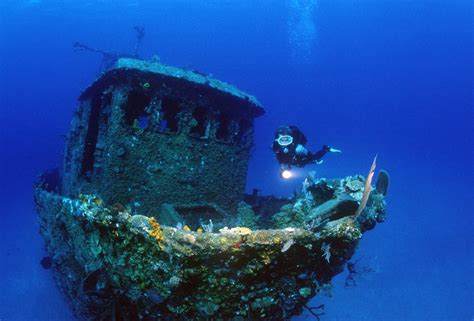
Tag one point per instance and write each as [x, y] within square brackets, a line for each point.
[387, 77]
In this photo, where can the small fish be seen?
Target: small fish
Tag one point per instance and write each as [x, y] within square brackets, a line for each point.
[46, 262]
[287, 245]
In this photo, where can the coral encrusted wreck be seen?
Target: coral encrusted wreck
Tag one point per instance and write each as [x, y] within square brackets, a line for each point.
[148, 220]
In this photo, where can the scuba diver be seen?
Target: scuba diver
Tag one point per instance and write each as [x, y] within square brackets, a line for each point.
[289, 150]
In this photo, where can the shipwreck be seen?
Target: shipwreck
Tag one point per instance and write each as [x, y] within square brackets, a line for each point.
[148, 219]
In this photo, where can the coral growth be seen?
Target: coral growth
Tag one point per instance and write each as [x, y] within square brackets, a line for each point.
[234, 273]
[155, 229]
[246, 216]
[140, 223]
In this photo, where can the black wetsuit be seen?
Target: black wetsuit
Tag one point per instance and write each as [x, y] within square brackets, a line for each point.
[288, 155]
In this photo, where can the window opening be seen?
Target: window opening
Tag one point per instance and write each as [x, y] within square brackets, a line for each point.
[244, 130]
[223, 132]
[200, 115]
[170, 109]
[135, 113]
[91, 138]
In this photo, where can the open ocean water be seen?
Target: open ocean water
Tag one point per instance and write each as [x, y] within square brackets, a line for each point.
[393, 78]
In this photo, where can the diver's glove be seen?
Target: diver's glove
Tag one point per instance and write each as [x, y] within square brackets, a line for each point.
[331, 150]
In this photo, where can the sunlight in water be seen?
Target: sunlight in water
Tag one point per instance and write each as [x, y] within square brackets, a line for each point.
[302, 33]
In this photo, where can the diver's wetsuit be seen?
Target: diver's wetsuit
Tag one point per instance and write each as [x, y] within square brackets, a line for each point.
[289, 149]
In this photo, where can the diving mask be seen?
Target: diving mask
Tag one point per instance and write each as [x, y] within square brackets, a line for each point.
[284, 140]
